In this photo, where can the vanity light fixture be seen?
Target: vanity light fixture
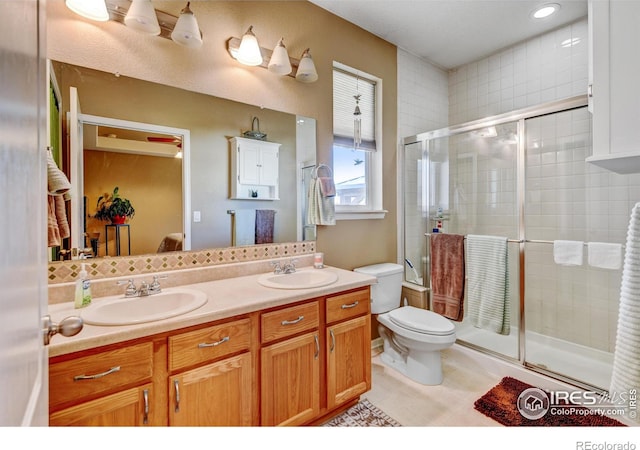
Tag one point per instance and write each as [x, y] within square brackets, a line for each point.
[249, 51]
[279, 63]
[141, 16]
[90, 9]
[276, 61]
[186, 31]
[306, 69]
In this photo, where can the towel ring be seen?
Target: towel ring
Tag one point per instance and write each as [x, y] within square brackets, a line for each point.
[321, 166]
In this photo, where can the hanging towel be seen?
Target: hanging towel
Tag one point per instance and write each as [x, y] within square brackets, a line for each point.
[568, 253]
[245, 227]
[61, 216]
[626, 356]
[604, 255]
[321, 210]
[57, 181]
[447, 275]
[488, 283]
[53, 232]
[265, 221]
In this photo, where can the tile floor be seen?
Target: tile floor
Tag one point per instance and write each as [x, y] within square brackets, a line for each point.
[448, 404]
[468, 375]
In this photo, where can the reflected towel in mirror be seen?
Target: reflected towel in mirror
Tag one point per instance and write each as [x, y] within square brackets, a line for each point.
[265, 224]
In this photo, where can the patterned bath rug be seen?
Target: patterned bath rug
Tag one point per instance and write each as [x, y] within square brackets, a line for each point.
[363, 414]
[504, 403]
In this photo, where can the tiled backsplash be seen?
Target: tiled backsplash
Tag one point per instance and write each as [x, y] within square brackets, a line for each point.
[67, 271]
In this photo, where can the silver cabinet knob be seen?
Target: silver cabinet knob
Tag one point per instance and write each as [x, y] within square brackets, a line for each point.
[69, 326]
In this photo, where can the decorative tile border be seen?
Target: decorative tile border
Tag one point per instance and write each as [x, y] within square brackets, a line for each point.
[67, 271]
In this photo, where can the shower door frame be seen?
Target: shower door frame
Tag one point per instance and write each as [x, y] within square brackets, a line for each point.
[519, 117]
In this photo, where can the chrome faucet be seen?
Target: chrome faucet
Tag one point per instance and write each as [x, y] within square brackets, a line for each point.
[131, 290]
[154, 287]
[277, 268]
[290, 267]
[145, 288]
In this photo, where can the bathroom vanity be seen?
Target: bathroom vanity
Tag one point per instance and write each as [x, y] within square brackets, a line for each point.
[252, 355]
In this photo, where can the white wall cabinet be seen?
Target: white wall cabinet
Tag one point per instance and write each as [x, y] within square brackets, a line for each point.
[254, 169]
[614, 89]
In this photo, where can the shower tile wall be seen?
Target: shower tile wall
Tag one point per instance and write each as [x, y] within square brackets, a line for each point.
[422, 105]
[536, 71]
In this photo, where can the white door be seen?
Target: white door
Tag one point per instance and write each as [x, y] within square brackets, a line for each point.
[23, 184]
[76, 174]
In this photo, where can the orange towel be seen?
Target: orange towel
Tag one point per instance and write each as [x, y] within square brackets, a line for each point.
[447, 275]
[61, 217]
[53, 232]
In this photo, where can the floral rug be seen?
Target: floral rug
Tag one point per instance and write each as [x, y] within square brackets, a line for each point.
[363, 414]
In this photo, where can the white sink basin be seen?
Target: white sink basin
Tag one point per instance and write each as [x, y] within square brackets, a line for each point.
[303, 279]
[117, 310]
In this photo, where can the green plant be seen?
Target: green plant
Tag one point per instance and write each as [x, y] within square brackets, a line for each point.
[112, 205]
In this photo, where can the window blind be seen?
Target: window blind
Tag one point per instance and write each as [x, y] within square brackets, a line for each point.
[345, 86]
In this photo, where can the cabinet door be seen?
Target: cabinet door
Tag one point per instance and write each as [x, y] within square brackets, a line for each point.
[249, 163]
[269, 166]
[127, 408]
[348, 360]
[291, 381]
[218, 394]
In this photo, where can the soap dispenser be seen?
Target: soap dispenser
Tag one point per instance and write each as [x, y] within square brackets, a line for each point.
[83, 289]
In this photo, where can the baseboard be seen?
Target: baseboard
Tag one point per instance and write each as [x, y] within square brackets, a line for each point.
[376, 346]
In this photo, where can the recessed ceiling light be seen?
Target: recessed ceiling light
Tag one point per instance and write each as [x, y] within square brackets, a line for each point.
[545, 10]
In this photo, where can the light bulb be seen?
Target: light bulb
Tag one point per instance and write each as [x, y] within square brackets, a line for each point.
[249, 51]
[90, 9]
[279, 62]
[142, 17]
[186, 32]
[306, 69]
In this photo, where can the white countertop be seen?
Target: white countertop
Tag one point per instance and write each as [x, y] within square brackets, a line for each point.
[226, 298]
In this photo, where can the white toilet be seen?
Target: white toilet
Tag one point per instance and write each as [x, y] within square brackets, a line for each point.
[412, 337]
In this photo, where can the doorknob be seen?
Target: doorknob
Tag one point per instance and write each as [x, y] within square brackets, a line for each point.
[69, 326]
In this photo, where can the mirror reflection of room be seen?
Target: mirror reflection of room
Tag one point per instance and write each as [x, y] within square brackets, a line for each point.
[180, 203]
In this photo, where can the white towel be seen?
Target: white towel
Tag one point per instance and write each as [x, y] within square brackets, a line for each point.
[568, 253]
[245, 223]
[488, 283]
[604, 255]
[320, 209]
[626, 357]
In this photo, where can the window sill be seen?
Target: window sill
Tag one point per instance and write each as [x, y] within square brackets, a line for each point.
[361, 215]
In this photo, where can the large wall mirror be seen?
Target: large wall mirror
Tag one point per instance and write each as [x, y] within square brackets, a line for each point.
[167, 150]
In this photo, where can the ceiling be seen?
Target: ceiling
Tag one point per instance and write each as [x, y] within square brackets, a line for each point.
[450, 33]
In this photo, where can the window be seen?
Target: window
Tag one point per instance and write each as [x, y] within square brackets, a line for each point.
[357, 167]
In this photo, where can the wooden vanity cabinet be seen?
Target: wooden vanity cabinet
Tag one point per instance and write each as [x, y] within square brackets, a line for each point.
[348, 349]
[316, 357]
[107, 388]
[212, 376]
[291, 365]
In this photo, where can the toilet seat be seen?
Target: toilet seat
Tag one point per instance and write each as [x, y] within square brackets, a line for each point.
[421, 321]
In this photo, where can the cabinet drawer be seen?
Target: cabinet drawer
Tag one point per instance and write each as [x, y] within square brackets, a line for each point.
[89, 376]
[289, 321]
[207, 344]
[345, 306]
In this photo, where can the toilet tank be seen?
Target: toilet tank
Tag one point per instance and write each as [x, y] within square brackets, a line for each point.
[385, 295]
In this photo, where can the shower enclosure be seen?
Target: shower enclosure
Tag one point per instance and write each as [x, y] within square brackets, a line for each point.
[523, 176]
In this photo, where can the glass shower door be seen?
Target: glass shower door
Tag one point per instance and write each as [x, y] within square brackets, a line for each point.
[570, 311]
[473, 189]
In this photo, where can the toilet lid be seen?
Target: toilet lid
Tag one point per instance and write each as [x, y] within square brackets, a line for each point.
[421, 321]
